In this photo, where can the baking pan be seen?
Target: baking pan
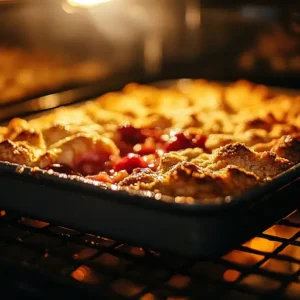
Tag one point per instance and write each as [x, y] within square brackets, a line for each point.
[203, 230]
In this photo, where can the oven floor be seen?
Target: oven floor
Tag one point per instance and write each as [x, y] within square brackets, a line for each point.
[47, 261]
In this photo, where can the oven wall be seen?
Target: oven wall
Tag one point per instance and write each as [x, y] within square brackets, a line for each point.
[258, 40]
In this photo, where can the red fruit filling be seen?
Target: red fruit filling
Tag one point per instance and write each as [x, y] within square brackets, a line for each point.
[131, 135]
[182, 141]
[91, 163]
[178, 142]
[154, 133]
[199, 141]
[130, 162]
[147, 144]
[148, 147]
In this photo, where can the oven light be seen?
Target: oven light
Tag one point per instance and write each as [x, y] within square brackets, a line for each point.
[86, 3]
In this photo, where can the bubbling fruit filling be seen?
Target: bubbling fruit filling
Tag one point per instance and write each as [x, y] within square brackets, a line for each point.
[140, 148]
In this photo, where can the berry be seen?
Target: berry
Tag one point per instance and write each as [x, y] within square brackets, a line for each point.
[91, 163]
[199, 141]
[178, 142]
[131, 135]
[130, 162]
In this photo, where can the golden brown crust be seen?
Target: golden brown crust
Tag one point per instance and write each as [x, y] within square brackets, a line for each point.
[288, 147]
[188, 180]
[18, 152]
[264, 165]
[240, 135]
[71, 149]
[59, 132]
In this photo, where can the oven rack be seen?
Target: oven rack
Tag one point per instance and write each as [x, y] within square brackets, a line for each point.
[36, 257]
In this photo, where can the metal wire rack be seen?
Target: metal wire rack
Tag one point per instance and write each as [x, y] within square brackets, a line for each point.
[268, 266]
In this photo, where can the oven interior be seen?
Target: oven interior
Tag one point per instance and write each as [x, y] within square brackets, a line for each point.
[47, 46]
[51, 46]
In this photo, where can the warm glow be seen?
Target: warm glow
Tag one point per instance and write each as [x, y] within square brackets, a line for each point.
[179, 281]
[87, 275]
[231, 275]
[80, 273]
[192, 15]
[243, 258]
[271, 231]
[33, 223]
[86, 3]
[261, 244]
[137, 251]
[2, 213]
[148, 296]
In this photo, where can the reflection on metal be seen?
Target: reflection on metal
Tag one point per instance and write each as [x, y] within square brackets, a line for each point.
[86, 3]
[192, 15]
[258, 12]
[145, 31]
[49, 100]
[192, 23]
[68, 8]
[153, 51]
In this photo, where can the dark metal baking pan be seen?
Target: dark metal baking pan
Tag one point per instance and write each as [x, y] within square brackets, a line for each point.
[198, 230]
[205, 230]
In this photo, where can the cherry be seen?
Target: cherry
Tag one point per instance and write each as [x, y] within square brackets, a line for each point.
[91, 163]
[199, 141]
[182, 141]
[130, 162]
[131, 135]
[178, 142]
[148, 147]
[143, 149]
[154, 133]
